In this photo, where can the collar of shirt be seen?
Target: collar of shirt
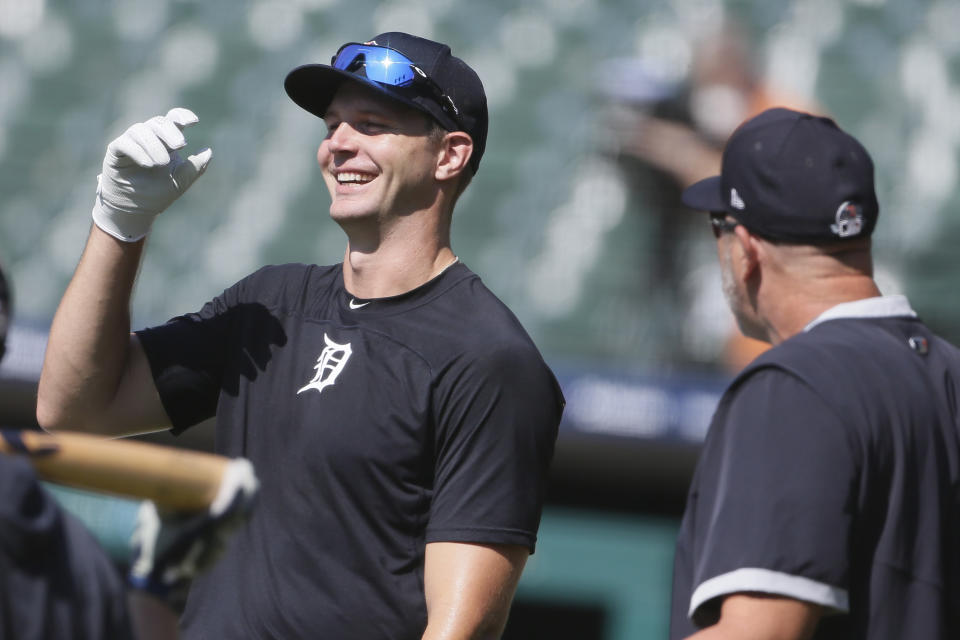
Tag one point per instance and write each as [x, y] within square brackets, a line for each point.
[878, 307]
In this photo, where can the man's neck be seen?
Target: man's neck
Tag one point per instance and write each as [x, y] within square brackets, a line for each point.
[393, 268]
[388, 256]
[794, 312]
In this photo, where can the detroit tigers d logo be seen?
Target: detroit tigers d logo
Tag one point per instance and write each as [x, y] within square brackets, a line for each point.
[330, 363]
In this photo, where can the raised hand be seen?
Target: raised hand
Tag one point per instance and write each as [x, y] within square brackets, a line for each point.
[143, 174]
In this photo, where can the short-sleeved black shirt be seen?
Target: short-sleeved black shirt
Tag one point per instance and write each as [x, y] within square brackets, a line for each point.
[830, 474]
[55, 580]
[375, 427]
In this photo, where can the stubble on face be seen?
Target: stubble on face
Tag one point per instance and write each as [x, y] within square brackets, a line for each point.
[726, 278]
[733, 293]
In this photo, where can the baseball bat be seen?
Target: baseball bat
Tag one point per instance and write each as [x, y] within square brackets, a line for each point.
[173, 478]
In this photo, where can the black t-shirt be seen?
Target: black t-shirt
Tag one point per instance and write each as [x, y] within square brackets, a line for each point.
[830, 475]
[375, 427]
[55, 580]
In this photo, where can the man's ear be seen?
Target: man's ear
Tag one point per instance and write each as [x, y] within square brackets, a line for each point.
[454, 154]
[750, 251]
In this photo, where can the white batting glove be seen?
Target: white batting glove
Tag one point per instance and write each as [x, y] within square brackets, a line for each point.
[170, 549]
[143, 174]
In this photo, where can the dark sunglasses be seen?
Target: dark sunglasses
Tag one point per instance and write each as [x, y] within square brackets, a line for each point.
[720, 224]
[392, 68]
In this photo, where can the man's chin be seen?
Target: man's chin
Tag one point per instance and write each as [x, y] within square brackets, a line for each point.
[356, 223]
[347, 213]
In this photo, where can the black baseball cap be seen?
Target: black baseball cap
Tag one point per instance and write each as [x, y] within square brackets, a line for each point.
[444, 86]
[793, 177]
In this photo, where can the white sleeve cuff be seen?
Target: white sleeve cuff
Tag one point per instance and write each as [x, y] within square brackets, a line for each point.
[127, 227]
[772, 582]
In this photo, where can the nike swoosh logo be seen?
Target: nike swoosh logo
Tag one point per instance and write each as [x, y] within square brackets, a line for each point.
[357, 305]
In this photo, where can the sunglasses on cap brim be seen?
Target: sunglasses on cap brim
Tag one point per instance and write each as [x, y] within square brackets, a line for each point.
[390, 67]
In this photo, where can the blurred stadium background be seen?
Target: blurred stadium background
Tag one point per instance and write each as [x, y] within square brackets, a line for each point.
[562, 222]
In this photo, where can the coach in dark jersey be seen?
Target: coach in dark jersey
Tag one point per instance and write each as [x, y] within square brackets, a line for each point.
[400, 419]
[825, 503]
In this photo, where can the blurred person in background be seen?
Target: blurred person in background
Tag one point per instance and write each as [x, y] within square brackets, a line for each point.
[399, 417]
[825, 503]
[668, 137]
[57, 581]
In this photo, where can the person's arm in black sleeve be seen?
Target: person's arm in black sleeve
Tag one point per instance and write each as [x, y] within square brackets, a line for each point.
[773, 512]
[495, 441]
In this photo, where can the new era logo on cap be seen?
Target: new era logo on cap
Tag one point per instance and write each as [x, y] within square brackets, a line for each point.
[736, 201]
[799, 178]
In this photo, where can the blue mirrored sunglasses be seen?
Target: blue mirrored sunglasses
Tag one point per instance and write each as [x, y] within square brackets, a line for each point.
[392, 68]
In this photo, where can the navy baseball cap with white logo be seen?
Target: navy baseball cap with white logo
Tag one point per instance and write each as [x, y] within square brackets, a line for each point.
[417, 72]
[793, 177]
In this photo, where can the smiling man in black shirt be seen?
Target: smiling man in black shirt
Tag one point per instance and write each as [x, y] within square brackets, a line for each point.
[400, 419]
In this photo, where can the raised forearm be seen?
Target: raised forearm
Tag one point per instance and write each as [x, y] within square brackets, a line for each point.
[89, 339]
[95, 375]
